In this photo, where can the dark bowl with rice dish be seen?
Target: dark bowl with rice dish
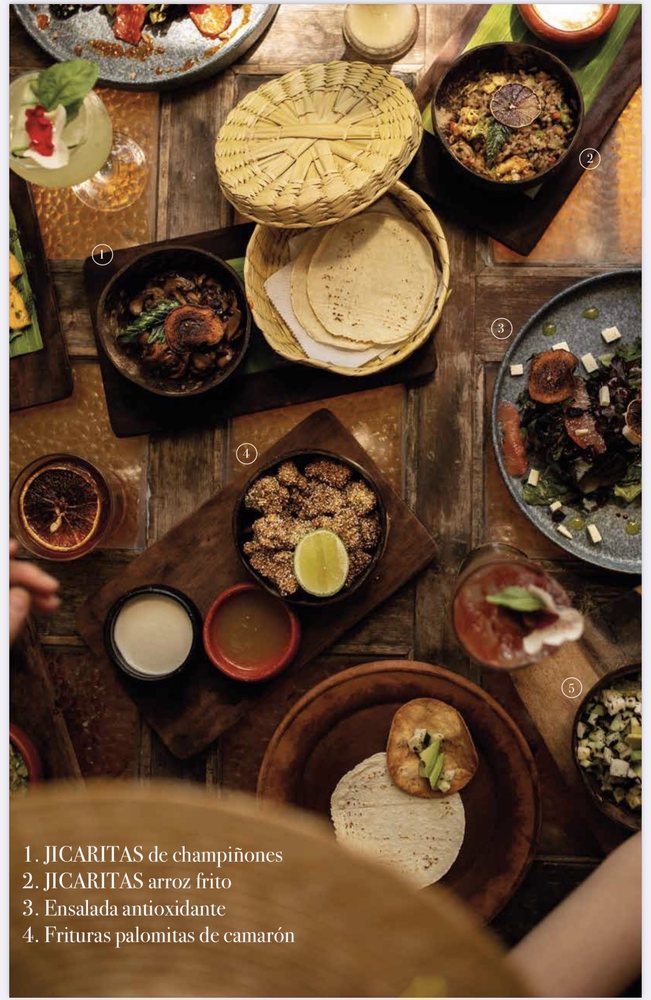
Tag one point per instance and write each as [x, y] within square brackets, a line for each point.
[508, 116]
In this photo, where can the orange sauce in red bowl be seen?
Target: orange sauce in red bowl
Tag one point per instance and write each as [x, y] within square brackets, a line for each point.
[250, 635]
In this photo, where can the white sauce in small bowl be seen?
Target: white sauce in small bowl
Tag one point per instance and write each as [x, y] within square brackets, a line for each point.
[569, 16]
[153, 633]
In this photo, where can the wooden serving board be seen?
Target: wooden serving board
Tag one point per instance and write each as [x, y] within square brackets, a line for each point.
[521, 220]
[264, 381]
[199, 557]
[42, 376]
[33, 707]
[553, 690]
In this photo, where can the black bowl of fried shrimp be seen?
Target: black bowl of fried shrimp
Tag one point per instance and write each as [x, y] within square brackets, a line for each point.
[299, 493]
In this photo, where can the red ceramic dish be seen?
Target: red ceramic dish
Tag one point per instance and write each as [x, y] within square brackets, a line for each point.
[250, 635]
[562, 37]
[28, 751]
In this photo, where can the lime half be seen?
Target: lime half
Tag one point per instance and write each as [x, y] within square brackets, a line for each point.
[321, 563]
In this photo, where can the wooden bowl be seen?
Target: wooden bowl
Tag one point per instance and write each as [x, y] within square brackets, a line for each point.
[509, 56]
[130, 279]
[28, 752]
[243, 518]
[614, 812]
[568, 39]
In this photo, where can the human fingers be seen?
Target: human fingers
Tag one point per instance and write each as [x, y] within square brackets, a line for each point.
[19, 605]
[27, 575]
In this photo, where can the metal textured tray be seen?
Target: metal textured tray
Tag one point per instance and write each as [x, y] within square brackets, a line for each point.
[171, 54]
[618, 297]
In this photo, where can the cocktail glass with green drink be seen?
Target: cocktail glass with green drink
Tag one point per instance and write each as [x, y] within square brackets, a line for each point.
[61, 136]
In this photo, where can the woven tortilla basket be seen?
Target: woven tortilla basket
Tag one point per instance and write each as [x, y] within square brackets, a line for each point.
[317, 145]
[268, 251]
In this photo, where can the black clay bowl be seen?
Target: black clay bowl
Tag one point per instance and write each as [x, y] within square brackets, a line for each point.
[619, 814]
[508, 57]
[112, 315]
[243, 518]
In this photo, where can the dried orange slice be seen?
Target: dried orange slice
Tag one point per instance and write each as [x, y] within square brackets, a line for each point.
[515, 105]
[60, 507]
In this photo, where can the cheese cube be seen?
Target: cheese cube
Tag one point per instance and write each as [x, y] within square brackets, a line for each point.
[604, 396]
[561, 346]
[611, 334]
[562, 530]
[556, 505]
[595, 536]
[534, 476]
[517, 369]
[630, 434]
[589, 363]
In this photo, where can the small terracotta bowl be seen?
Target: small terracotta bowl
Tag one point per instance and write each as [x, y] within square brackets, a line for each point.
[28, 752]
[266, 668]
[568, 39]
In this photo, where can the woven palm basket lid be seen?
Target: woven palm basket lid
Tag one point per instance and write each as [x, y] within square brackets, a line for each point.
[359, 929]
[318, 145]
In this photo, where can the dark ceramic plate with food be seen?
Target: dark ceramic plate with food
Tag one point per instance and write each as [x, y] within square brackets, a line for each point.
[168, 50]
[610, 717]
[580, 439]
[347, 719]
[175, 321]
[301, 493]
[508, 115]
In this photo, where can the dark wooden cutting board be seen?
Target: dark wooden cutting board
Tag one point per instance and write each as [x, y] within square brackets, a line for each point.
[33, 706]
[199, 557]
[518, 221]
[45, 375]
[264, 381]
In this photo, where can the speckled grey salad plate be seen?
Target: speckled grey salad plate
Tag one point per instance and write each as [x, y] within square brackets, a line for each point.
[180, 53]
[618, 297]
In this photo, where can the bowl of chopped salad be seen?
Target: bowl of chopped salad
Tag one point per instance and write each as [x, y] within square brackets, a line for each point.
[24, 761]
[607, 745]
[508, 115]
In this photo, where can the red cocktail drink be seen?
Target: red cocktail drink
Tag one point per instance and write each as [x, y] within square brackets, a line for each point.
[508, 612]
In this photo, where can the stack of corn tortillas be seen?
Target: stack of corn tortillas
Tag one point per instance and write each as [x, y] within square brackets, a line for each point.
[356, 290]
[417, 836]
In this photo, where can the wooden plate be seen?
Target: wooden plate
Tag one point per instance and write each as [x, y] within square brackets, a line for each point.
[347, 718]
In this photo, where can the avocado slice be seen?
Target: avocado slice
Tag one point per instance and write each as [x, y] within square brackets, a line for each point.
[435, 773]
[636, 755]
[428, 758]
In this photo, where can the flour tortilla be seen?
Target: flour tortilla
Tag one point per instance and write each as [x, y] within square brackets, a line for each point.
[372, 277]
[457, 745]
[302, 307]
[419, 837]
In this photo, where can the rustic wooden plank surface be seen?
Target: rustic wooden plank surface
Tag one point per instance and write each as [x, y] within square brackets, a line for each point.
[446, 468]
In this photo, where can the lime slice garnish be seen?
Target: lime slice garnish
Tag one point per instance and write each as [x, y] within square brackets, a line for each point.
[321, 563]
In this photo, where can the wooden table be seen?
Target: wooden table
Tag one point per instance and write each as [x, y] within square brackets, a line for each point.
[431, 441]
